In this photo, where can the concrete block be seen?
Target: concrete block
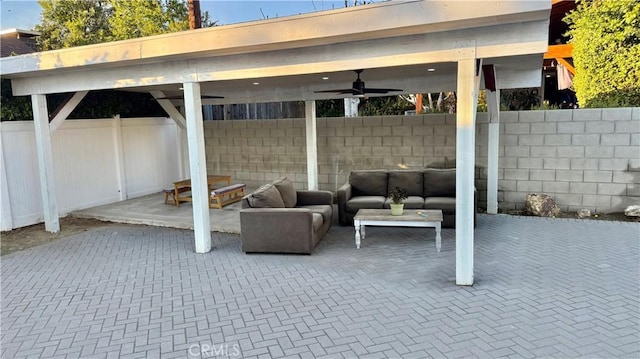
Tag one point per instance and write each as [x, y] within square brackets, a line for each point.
[508, 117]
[335, 141]
[379, 151]
[558, 115]
[373, 121]
[584, 163]
[618, 189]
[542, 175]
[616, 114]
[517, 128]
[294, 132]
[598, 176]
[395, 141]
[508, 162]
[335, 122]
[413, 121]
[449, 141]
[285, 141]
[625, 177]
[482, 117]
[381, 131]
[515, 197]
[320, 122]
[448, 151]
[422, 151]
[392, 120]
[633, 190]
[531, 116]
[599, 151]
[583, 188]
[546, 127]
[450, 119]
[632, 127]
[516, 151]
[326, 131]
[619, 203]
[412, 141]
[600, 127]
[353, 122]
[444, 130]
[627, 152]
[531, 140]
[543, 151]
[570, 151]
[435, 119]
[614, 164]
[590, 114]
[401, 151]
[506, 140]
[592, 139]
[571, 127]
[375, 141]
[557, 140]
[516, 174]
[533, 163]
[400, 130]
[413, 161]
[635, 114]
[345, 131]
[353, 141]
[566, 199]
[555, 187]
[634, 164]
[599, 202]
[363, 131]
[529, 186]
[283, 123]
[618, 139]
[557, 163]
[422, 130]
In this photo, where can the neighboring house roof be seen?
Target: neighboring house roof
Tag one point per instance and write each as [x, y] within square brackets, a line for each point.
[17, 42]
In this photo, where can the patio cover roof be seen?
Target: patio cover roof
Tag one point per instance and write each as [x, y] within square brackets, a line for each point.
[282, 59]
[394, 41]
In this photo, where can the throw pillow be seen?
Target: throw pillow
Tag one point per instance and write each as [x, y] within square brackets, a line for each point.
[288, 193]
[440, 182]
[266, 196]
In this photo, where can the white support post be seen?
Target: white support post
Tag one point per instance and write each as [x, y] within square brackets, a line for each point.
[119, 151]
[66, 110]
[6, 217]
[198, 167]
[493, 106]
[312, 145]
[465, 165]
[45, 163]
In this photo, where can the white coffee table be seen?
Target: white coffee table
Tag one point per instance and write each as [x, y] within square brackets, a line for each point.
[410, 218]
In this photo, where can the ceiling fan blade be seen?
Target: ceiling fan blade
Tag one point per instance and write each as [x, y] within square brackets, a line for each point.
[180, 97]
[339, 91]
[380, 90]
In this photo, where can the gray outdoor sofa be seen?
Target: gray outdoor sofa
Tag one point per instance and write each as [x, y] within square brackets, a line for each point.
[429, 188]
[276, 218]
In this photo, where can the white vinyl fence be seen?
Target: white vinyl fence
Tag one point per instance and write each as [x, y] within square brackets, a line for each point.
[96, 162]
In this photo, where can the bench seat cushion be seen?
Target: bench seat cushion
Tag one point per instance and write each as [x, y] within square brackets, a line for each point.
[223, 190]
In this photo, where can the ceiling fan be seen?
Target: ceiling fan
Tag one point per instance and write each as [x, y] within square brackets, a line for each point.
[358, 88]
[180, 97]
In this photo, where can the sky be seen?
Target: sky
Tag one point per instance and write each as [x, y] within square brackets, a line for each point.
[25, 14]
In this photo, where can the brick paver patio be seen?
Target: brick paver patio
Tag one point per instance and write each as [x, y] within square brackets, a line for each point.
[553, 288]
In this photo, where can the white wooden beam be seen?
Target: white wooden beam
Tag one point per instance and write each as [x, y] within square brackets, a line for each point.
[119, 151]
[45, 163]
[6, 216]
[493, 106]
[198, 166]
[171, 110]
[66, 110]
[312, 145]
[465, 167]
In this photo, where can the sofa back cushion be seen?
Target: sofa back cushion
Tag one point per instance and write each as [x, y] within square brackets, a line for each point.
[440, 182]
[368, 183]
[412, 181]
[266, 196]
[287, 191]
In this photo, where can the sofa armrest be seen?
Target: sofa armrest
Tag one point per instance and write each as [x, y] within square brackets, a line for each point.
[344, 194]
[307, 197]
[277, 230]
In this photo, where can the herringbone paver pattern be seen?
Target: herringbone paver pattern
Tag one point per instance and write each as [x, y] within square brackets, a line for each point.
[547, 288]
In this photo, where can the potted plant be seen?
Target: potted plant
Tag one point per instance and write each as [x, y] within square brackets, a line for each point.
[397, 195]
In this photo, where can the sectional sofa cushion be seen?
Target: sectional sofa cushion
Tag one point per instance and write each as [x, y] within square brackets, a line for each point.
[413, 202]
[361, 202]
[266, 196]
[287, 191]
[439, 182]
[369, 183]
[412, 181]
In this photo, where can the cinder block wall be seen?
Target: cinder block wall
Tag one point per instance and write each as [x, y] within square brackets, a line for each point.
[586, 158]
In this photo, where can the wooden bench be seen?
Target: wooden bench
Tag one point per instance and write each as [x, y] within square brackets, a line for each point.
[222, 196]
[179, 192]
